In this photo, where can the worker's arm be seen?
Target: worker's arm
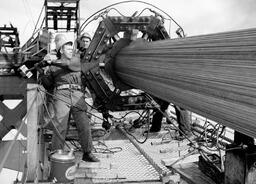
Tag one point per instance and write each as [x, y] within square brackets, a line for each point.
[73, 64]
[46, 78]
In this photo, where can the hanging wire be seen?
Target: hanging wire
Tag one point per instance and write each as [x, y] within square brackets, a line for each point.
[147, 115]
[194, 147]
[52, 122]
[142, 11]
[116, 11]
[101, 147]
[28, 9]
[124, 116]
[54, 96]
[212, 135]
[17, 179]
[130, 1]
[26, 174]
[105, 150]
[38, 20]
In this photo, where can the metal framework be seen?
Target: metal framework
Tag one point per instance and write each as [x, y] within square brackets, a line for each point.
[9, 47]
[62, 15]
[106, 42]
[9, 37]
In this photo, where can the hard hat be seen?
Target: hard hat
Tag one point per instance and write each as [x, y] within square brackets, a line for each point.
[86, 35]
[60, 40]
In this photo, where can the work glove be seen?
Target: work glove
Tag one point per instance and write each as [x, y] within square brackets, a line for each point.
[50, 58]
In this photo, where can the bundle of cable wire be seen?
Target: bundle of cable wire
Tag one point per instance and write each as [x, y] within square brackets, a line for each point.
[212, 75]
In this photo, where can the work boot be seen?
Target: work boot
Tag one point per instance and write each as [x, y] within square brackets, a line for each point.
[89, 157]
[153, 130]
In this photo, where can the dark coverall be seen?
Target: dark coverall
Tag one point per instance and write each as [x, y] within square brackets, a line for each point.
[183, 118]
[68, 100]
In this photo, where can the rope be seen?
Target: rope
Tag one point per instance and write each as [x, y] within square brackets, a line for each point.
[97, 150]
[38, 20]
[53, 124]
[71, 104]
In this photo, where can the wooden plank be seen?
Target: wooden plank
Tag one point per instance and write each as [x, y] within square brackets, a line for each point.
[43, 158]
[191, 174]
[33, 101]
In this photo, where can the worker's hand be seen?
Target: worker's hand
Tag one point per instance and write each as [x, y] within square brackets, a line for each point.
[50, 58]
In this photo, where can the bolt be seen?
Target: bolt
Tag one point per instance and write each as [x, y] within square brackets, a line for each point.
[110, 46]
[101, 65]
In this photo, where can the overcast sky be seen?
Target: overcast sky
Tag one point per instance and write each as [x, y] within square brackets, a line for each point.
[195, 16]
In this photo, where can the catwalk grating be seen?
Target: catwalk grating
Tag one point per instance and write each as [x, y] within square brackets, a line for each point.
[127, 165]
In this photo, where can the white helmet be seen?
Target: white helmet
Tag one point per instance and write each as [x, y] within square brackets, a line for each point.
[86, 35]
[60, 40]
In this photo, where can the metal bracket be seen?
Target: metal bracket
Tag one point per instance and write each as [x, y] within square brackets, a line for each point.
[98, 61]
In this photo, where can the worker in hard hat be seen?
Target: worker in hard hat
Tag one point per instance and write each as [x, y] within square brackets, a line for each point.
[83, 43]
[86, 39]
[65, 76]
